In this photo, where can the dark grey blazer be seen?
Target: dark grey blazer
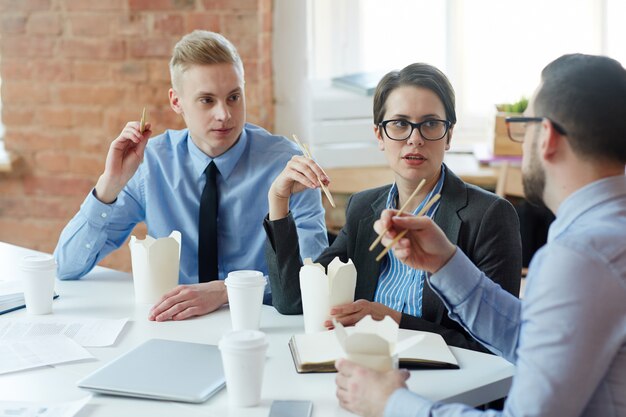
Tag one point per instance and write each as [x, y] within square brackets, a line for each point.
[484, 226]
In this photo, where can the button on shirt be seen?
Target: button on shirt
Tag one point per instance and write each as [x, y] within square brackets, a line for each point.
[567, 337]
[165, 193]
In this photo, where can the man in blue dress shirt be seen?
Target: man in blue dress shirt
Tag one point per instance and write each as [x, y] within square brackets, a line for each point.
[567, 337]
[160, 182]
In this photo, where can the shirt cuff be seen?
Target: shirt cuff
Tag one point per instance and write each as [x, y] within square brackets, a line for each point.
[457, 279]
[96, 212]
[404, 403]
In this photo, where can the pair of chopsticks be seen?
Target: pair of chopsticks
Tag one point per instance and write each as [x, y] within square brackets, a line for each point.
[307, 153]
[142, 123]
[423, 211]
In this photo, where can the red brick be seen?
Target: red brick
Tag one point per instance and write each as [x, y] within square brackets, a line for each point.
[90, 70]
[13, 116]
[13, 25]
[169, 24]
[44, 24]
[55, 117]
[24, 141]
[151, 47]
[91, 165]
[130, 71]
[152, 94]
[28, 232]
[7, 6]
[91, 95]
[130, 24]
[87, 117]
[10, 186]
[143, 5]
[57, 186]
[230, 4]
[52, 160]
[22, 92]
[159, 70]
[93, 48]
[204, 21]
[241, 26]
[27, 47]
[94, 5]
[50, 69]
[91, 24]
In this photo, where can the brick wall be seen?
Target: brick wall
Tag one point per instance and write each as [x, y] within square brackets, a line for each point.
[75, 71]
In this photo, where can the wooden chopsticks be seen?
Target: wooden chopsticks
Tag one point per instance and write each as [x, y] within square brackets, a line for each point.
[404, 206]
[307, 153]
[142, 123]
[424, 209]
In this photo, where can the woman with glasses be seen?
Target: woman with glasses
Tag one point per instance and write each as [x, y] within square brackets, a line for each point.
[414, 118]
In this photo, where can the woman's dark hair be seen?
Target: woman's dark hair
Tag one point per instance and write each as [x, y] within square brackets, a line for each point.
[416, 75]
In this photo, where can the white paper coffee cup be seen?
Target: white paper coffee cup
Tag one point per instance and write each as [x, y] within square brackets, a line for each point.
[38, 279]
[245, 297]
[243, 358]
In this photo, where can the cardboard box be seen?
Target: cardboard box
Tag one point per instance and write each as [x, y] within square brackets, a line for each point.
[502, 144]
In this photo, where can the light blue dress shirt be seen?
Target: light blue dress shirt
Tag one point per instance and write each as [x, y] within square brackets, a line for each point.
[567, 337]
[401, 287]
[165, 194]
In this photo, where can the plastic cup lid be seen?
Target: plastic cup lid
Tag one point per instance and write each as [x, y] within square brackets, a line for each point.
[243, 340]
[245, 278]
[41, 261]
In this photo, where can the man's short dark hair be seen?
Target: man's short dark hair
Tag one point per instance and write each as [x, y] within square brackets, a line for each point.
[586, 95]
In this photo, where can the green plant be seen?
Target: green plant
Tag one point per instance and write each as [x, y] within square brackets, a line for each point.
[517, 107]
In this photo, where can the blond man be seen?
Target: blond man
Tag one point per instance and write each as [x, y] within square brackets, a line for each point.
[165, 182]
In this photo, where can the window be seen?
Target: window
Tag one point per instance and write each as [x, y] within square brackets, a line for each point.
[492, 51]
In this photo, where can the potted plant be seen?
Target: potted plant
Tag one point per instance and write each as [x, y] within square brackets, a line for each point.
[502, 145]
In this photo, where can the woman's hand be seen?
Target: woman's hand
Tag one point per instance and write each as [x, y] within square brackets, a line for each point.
[349, 314]
[299, 174]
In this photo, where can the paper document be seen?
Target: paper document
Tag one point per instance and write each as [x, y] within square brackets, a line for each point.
[27, 353]
[85, 331]
[27, 409]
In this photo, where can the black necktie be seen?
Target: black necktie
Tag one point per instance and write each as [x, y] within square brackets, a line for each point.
[207, 234]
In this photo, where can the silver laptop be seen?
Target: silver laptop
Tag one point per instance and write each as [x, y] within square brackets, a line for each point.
[162, 370]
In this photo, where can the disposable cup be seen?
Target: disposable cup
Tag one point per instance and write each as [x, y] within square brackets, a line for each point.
[245, 297]
[38, 277]
[243, 358]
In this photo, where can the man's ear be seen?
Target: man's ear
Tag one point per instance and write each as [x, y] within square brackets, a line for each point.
[549, 140]
[379, 137]
[175, 101]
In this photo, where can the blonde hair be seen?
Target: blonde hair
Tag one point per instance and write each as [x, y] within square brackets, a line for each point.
[202, 47]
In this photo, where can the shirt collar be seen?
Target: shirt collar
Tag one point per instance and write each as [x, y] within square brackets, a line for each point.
[225, 163]
[585, 199]
[392, 197]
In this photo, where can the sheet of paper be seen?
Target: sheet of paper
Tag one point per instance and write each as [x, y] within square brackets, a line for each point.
[27, 353]
[85, 331]
[26, 409]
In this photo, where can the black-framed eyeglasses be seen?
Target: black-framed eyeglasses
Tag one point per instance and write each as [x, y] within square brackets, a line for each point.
[399, 129]
[516, 127]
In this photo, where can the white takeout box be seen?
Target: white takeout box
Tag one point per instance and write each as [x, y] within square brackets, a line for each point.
[320, 292]
[155, 265]
[374, 344]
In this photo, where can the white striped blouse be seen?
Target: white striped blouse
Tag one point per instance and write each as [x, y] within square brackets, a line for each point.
[400, 287]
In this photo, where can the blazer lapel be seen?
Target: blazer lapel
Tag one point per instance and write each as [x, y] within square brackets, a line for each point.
[369, 272]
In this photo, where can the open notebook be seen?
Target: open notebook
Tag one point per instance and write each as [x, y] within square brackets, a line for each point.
[162, 370]
[317, 352]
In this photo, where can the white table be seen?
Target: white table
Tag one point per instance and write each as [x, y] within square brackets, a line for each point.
[105, 293]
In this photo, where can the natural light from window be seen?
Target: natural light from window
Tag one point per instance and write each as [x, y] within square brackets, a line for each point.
[492, 50]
